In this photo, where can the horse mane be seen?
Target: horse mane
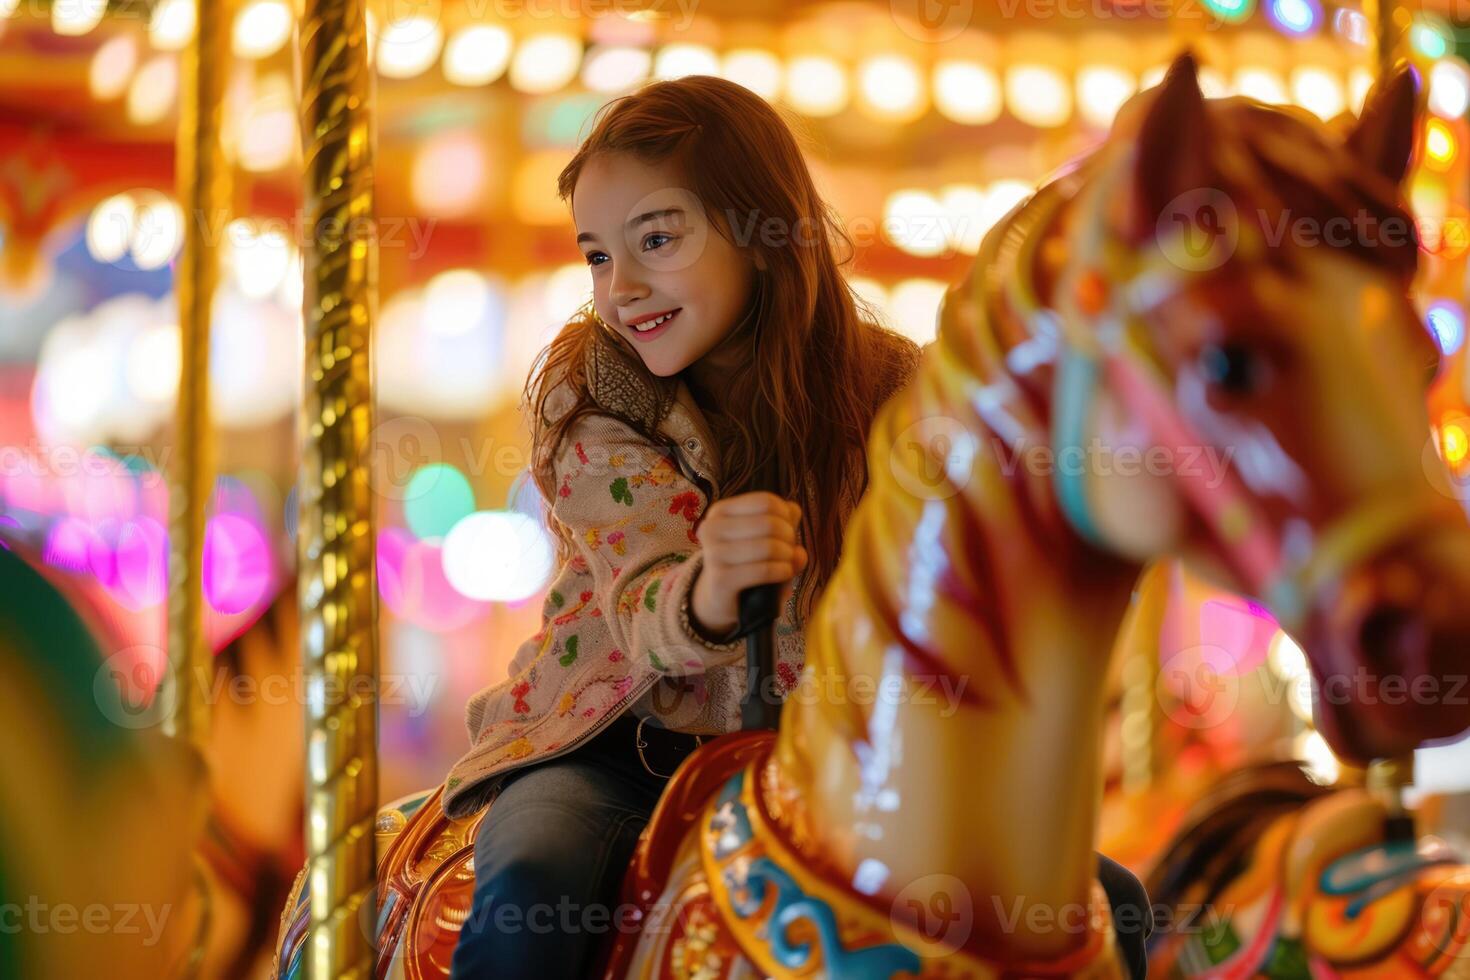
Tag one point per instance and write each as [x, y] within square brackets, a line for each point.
[1274, 162]
[1213, 845]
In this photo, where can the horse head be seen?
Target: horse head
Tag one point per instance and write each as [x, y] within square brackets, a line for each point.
[1232, 289]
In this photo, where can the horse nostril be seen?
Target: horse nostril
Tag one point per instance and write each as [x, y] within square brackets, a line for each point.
[1394, 640]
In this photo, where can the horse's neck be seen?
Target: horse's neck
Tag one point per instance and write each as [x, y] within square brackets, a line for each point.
[944, 743]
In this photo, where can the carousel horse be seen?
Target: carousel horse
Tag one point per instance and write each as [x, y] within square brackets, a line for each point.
[95, 814]
[1274, 876]
[946, 827]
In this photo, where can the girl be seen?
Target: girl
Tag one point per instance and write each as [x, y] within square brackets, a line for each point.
[722, 354]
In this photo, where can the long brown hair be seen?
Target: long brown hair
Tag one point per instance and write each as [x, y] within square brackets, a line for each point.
[818, 363]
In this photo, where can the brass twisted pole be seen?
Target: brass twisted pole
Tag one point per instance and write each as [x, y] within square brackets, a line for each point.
[203, 188]
[204, 196]
[337, 584]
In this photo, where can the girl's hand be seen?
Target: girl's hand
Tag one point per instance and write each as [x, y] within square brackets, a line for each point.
[748, 539]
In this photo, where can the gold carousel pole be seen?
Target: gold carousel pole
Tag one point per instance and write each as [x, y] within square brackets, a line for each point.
[338, 589]
[1390, 22]
[204, 196]
[203, 182]
[1138, 647]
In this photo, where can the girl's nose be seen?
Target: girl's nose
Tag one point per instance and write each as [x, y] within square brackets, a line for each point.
[628, 286]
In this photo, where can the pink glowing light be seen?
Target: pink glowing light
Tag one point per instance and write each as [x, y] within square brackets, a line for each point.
[429, 600]
[393, 547]
[69, 545]
[237, 564]
[141, 564]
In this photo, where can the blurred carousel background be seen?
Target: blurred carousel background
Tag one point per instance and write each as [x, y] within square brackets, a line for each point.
[922, 131]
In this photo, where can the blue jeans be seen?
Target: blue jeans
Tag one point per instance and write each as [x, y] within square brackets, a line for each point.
[551, 854]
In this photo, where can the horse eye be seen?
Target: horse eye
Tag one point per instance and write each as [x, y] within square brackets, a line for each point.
[1232, 368]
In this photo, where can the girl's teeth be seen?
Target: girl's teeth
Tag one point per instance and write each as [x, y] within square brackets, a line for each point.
[650, 324]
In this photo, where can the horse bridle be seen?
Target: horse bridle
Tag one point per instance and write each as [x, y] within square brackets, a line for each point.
[1097, 342]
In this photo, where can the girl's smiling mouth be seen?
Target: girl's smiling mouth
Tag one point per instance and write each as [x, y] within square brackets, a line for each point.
[649, 327]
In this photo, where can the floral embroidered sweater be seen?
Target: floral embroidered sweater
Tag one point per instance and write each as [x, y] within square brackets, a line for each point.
[615, 632]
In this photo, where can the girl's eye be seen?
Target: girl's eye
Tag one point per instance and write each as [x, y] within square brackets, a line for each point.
[595, 258]
[656, 240]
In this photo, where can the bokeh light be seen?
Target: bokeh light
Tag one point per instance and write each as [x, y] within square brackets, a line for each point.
[261, 28]
[1101, 91]
[437, 498]
[757, 70]
[238, 572]
[1038, 95]
[171, 26]
[112, 67]
[73, 18]
[1440, 145]
[679, 60]
[816, 86]
[1318, 90]
[1296, 16]
[615, 68]
[153, 89]
[545, 63]
[1449, 88]
[449, 173]
[429, 600]
[477, 55]
[142, 564]
[1231, 11]
[408, 46]
[110, 227]
[967, 92]
[892, 88]
[1447, 322]
[497, 555]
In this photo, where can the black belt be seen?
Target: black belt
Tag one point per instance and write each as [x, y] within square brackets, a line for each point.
[662, 749]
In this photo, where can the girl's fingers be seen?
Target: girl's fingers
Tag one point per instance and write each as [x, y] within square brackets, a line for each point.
[760, 526]
[734, 553]
[758, 573]
[755, 502]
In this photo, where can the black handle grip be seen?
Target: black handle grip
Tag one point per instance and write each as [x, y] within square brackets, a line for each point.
[759, 606]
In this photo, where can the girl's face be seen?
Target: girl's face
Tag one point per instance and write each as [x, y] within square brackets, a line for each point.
[662, 274]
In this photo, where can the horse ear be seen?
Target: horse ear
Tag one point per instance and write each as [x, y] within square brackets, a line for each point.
[1172, 147]
[1384, 135]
